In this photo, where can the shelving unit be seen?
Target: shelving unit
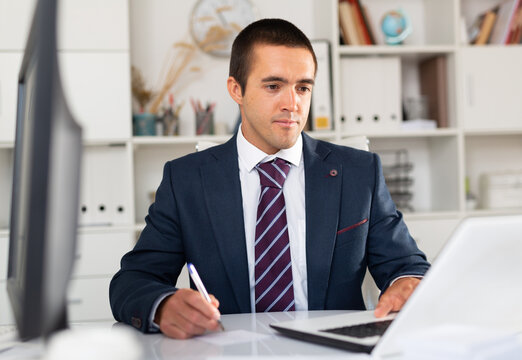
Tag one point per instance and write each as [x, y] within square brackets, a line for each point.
[443, 157]
[460, 150]
[120, 169]
[95, 72]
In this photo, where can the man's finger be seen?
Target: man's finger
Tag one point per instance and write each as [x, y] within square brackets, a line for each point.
[391, 300]
[191, 322]
[195, 313]
[383, 308]
[171, 330]
[396, 296]
[215, 301]
[197, 301]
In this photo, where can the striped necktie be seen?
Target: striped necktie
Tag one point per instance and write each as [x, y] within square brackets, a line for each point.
[274, 290]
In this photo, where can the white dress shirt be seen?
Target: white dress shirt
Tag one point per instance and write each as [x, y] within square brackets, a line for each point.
[294, 192]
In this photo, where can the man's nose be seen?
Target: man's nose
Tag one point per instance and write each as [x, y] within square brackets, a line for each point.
[290, 101]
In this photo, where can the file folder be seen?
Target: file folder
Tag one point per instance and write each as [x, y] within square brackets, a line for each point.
[371, 94]
[106, 187]
[321, 109]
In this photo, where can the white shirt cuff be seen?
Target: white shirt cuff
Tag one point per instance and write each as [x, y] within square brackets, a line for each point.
[153, 327]
[405, 276]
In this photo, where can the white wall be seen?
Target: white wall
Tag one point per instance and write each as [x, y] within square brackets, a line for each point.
[157, 24]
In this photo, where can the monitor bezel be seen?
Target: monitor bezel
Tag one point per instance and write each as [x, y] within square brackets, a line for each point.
[36, 294]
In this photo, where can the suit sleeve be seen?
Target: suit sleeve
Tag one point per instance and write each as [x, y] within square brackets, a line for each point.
[391, 250]
[153, 266]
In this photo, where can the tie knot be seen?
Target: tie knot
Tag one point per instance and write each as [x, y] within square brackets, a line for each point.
[273, 173]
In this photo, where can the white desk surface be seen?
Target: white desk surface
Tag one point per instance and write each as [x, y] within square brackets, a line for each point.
[246, 335]
[268, 344]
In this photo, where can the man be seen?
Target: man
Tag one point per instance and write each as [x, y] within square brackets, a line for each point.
[272, 219]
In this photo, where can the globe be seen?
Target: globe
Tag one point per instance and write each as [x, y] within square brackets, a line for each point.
[396, 27]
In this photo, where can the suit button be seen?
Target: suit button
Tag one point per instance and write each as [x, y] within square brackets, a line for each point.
[136, 322]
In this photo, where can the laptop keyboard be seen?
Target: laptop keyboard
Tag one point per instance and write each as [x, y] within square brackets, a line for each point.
[362, 330]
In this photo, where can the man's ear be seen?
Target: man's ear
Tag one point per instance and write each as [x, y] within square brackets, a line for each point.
[234, 89]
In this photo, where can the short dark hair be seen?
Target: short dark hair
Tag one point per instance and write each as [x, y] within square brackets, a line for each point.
[264, 31]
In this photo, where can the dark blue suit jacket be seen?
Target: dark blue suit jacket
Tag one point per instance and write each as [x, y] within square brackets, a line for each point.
[351, 224]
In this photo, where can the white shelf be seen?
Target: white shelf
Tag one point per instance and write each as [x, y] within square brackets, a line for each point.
[490, 46]
[323, 135]
[99, 229]
[409, 133]
[442, 215]
[96, 229]
[189, 140]
[399, 50]
[493, 132]
[432, 215]
[88, 143]
[495, 212]
[107, 142]
[177, 140]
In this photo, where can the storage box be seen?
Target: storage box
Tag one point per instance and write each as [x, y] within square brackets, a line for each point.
[501, 190]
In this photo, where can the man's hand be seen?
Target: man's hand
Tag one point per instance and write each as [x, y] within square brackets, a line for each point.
[186, 313]
[395, 296]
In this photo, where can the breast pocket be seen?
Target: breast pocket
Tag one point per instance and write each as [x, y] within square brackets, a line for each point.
[351, 227]
[352, 232]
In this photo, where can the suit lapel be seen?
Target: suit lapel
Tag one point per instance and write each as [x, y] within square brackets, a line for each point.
[222, 189]
[323, 181]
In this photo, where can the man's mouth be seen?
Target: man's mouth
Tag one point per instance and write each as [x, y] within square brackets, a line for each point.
[286, 122]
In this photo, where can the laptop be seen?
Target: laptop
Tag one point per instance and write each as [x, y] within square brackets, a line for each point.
[475, 281]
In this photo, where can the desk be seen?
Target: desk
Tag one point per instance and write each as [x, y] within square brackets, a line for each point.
[269, 343]
[273, 345]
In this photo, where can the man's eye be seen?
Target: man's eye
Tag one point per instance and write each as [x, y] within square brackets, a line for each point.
[272, 86]
[305, 89]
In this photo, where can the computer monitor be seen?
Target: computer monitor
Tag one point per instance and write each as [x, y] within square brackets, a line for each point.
[45, 193]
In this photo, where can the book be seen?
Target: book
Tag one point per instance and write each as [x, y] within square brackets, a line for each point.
[347, 23]
[506, 18]
[485, 28]
[367, 23]
[474, 29]
[343, 38]
[362, 29]
[515, 32]
[358, 29]
[433, 82]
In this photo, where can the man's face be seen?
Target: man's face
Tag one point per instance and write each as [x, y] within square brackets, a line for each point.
[276, 101]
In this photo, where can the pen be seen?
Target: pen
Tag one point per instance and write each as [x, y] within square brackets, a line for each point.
[201, 288]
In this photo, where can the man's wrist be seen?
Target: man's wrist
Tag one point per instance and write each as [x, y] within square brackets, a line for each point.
[405, 276]
[155, 314]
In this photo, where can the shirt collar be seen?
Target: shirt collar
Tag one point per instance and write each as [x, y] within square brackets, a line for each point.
[250, 156]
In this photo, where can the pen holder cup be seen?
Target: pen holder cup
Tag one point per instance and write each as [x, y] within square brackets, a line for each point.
[170, 124]
[144, 124]
[204, 123]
